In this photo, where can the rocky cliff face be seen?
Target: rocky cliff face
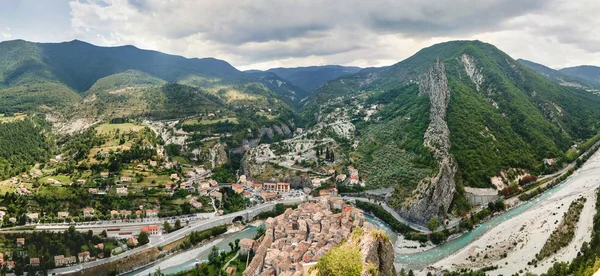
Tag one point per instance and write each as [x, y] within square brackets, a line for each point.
[367, 252]
[377, 253]
[435, 194]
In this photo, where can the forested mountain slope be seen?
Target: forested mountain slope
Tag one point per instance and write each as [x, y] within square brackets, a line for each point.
[456, 114]
[587, 72]
[559, 76]
[312, 77]
[80, 66]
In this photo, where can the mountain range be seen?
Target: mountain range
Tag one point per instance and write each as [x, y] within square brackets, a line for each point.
[456, 114]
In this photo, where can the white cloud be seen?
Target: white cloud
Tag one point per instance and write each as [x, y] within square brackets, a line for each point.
[268, 33]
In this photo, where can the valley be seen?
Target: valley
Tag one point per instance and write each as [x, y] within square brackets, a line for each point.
[449, 151]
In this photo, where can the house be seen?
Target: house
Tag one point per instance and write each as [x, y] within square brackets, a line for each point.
[10, 265]
[328, 192]
[195, 203]
[246, 246]
[153, 163]
[138, 213]
[88, 212]
[280, 187]
[316, 182]
[257, 186]
[14, 180]
[174, 177]
[34, 261]
[231, 270]
[238, 189]
[151, 213]
[213, 183]
[60, 260]
[186, 185]
[480, 196]
[93, 191]
[125, 179]
[83, 256]
[125, 213]
[190, 173]
[203, 192]
[104, 174]
[204, 185]
[22, 191]
[12, 220]
[268, 196]
[63, 214]
[114, 213]
[152, 230]
[20, 242]
[132, 241]
[2, 214]
[122, 190]
[53, 181]
[33, 216]
[331, 171]
[81, 181]
[353, 180]
[247, 194]
[549, 161]
[242, 179]
[99, 246]
[340, 178]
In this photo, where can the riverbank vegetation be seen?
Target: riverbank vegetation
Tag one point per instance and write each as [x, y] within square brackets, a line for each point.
[564, 233]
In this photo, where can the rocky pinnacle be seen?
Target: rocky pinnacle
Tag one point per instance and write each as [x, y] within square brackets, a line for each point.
[436, 192]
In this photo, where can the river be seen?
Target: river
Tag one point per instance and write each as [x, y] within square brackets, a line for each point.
[169, 266]
[421, 260]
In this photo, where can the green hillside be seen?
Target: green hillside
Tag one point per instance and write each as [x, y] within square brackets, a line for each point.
[512, 118]
[129, 78]
[83, 67]
[559, 76]
[37, 96]
[586, 72]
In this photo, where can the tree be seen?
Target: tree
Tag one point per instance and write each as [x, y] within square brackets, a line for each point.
[143, 238]
[411, 273]
[237, 244]
[177, 224]
[231, 246]
[107, 252]
[433, 223]
[167, 226]
[213, 257]
[157, 272]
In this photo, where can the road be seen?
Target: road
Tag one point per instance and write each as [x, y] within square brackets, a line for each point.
[396, 215]
[156, 241]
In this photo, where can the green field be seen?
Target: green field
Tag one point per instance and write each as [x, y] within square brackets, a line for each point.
[126, 127]
[53, 191]
[64, 179]
[232, 120]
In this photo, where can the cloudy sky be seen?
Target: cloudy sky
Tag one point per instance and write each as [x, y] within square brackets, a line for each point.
[261, 34]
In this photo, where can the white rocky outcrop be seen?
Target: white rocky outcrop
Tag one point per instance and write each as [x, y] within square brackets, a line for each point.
[473, 72]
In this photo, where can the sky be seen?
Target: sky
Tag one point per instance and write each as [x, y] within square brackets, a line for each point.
[262, 34]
